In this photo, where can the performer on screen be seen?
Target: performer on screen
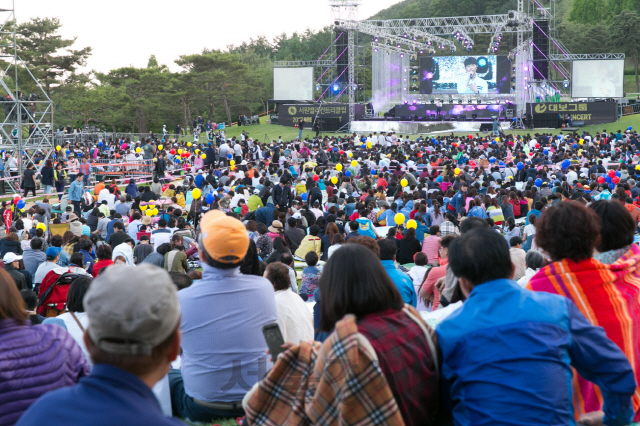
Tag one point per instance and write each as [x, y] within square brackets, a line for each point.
[470, 83]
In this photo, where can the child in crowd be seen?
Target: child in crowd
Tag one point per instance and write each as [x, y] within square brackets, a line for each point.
[310, 275]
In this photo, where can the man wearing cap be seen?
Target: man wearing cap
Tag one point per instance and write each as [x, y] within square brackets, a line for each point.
[470, 83]
[254, 202]
[53, 254]
[11, 264]
[132, 337]
[223, 348]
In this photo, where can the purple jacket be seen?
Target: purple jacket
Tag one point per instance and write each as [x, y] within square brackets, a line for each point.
[33, 361]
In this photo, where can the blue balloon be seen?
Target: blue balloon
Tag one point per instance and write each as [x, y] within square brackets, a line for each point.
[100, 144]
[565, 164]
[66, 151]
[335, 149]
[162, 140]
[538, 182]
[629, 128]
[607, 179]
[373, 172]
[304, 196]
[520, 166]
[229, 156]
[494, 142]
[209, 198]
[575, 145]
[618, 173]
[545, 151]
[492, 160]
[347, 173]
[501, 164]
[21, 204]
[177, 160]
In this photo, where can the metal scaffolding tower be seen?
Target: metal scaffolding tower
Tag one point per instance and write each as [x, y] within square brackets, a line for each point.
[26, 130]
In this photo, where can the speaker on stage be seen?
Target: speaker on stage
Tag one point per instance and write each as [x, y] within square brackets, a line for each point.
[541, 49]
[342, 52]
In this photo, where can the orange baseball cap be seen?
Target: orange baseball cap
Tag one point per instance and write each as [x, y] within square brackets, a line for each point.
[224, 238]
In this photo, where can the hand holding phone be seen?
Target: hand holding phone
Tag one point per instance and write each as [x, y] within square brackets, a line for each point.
[274, 340]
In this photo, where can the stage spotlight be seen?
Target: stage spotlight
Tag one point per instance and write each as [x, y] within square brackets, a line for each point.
[405, 35]
[421, 52]
[317, 87]
[478, 101]
[355, 87]
[414, 102]
[565, 84]
[402, 55]
[459, 101]
[375, 49]
[452, 51]
[406, 101]
[470, 101]
[336, 87]
[432, 101]
[498, 102]
[375, 39]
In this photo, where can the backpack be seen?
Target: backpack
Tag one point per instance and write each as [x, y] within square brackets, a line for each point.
[53, 292]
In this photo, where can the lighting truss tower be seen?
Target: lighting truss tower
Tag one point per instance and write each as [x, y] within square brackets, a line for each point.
[26, 126]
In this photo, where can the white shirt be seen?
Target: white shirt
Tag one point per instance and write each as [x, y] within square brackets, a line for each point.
[238, 150]
[158, 238]
[464, 83]
[294, 318]
[74, 330]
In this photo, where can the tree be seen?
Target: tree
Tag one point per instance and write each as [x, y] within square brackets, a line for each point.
[584, 38]
[589, 11]
[49, 56]
[624, 36]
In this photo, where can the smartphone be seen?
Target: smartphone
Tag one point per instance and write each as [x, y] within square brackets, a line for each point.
[274, 339]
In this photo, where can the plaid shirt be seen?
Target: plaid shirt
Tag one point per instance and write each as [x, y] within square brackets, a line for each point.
[448, 228]
[338, 383]
[405, 359]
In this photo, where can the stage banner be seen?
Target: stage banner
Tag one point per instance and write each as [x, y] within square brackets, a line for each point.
[289, 115]
[589, 112]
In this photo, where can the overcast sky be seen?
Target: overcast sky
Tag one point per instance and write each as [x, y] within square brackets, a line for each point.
[127, 32]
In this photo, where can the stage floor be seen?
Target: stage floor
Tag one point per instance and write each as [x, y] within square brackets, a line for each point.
[421, 127]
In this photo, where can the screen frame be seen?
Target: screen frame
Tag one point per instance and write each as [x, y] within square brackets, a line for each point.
[573, 68]
[277, 95]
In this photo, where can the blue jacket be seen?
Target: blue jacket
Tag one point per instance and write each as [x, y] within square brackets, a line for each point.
[366, 227]
[457, 201]
[402, 281]
[108, 396]
[75, 191]
[265, 214]
[46, 175]
[420, 231]
[131, 189]
[507, 353]
[199, 181]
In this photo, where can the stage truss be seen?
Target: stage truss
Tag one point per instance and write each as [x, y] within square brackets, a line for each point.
[26, 126]
[397, 44]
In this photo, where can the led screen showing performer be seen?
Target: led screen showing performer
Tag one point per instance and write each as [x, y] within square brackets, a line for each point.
[464, 75]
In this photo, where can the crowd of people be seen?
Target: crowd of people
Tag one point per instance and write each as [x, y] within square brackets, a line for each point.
[522, 247]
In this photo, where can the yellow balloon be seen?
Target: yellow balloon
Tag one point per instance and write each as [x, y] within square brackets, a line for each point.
[412, 224]
[404, 182]
[232, 168]
[354, 163]
[58, 148]
[155, 211]
[149, 213]
[334, 180]
[196, 193]
[581, 141]
[138, 150]
[339, 167]
[398, 218]
[189, 144]
[350, 155]
[456, 171]
[369, 145]
[41, 226]
[204, 156]
[143, 208]
[197, 151]
[179, 151]
[160, 147]
[232, 163]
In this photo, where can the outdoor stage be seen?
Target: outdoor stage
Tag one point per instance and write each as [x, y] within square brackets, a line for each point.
[423, 127]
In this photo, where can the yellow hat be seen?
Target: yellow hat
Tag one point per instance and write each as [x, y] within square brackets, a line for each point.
[224, 238]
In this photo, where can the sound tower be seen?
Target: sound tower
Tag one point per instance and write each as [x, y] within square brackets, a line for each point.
[540, 49]
[342, 52]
